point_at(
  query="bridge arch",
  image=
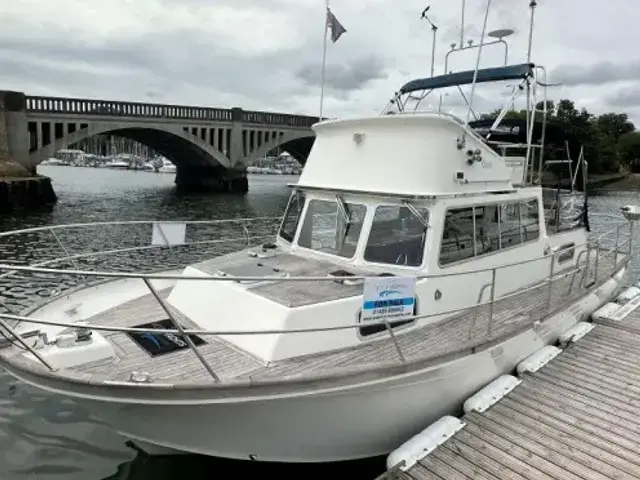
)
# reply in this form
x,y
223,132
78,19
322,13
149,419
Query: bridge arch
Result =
x,y
297,144
179,146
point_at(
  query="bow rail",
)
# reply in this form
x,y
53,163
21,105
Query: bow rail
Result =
x,y
590,265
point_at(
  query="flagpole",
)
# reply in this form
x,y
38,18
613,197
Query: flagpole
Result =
x,y
324,58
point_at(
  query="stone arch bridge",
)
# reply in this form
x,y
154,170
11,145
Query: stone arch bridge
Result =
x,y
211,147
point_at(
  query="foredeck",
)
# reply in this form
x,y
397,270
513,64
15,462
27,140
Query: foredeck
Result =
x,y
576,418
457,335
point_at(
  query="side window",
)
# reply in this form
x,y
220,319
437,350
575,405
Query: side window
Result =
x,y
292,216
457,238
487,229
510,227
530,220
472,231
397,237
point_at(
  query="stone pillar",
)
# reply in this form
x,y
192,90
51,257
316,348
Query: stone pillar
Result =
x,y
236,148
209,178
16,130
20,187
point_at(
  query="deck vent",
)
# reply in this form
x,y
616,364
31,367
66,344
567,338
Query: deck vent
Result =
x,y
342,276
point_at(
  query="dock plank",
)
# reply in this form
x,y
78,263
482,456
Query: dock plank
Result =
x,y
576,418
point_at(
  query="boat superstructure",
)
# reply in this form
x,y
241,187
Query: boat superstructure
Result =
x,y
388,293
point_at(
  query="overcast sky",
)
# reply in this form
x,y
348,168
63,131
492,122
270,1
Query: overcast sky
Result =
x,y
266,54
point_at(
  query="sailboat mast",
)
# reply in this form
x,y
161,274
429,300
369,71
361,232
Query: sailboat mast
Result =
x,y
462,25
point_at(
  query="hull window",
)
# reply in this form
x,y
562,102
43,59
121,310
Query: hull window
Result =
x,y
397,237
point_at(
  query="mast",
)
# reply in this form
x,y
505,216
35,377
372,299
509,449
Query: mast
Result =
x,y
434,30
475,73
324,58
462,25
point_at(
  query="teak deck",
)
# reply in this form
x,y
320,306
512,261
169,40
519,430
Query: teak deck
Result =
x,y
449,337
577,418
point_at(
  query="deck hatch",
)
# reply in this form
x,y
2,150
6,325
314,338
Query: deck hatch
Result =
x,y
162,343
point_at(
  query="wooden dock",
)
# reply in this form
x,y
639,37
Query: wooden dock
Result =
x,y
571,412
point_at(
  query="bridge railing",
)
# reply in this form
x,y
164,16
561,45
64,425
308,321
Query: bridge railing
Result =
x,y
84,107
76,106
280,119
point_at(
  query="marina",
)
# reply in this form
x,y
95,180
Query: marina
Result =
x,y
383,301
466,309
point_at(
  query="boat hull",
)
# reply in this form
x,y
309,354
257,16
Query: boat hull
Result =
x,y
354,420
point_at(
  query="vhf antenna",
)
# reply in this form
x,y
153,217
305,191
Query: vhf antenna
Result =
x,y
434,29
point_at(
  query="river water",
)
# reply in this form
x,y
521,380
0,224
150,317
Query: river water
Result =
x,y
49,438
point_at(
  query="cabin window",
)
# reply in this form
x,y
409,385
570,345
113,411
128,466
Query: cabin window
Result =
x,y
292,216
473,231
327,228
530,220
397,236
487,224
458,236
564,210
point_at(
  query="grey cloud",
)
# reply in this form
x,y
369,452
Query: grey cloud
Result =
x,y
199,66
345,76
627,97
595,74
164,61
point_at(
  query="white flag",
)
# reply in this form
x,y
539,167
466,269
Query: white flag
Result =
x,y
336,27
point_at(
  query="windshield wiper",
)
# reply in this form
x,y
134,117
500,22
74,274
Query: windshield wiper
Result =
x,y
414,211
343,209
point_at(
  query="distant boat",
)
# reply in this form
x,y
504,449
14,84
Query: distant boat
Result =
x,y
117,164
167,167
54,162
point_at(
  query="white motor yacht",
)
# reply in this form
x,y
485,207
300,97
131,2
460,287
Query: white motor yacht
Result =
x,y
396,286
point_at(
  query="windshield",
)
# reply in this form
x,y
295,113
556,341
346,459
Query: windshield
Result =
x,y
292,216
326,228
397,235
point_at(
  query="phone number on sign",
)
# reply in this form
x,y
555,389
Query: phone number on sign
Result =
x,y
387,310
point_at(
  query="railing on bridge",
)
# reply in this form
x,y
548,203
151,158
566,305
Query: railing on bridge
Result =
x,y
77,106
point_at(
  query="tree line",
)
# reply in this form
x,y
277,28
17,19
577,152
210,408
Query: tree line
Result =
x,y
610,140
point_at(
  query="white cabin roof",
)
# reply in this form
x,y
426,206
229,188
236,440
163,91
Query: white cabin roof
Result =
x,y
410,155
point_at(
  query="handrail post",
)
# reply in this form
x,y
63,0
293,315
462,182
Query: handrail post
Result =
x,y
395,341
475,310
20,340
492,300
597,262
246,231
615,256
64,250
178,327
553,258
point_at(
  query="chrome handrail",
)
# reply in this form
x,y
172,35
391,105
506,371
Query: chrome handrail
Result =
x,y
229,278
63,226
186,332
